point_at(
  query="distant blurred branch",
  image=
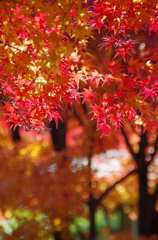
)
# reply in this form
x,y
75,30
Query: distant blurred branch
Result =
x,y
113,186
129,146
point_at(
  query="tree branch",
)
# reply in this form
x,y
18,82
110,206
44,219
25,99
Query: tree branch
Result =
x,y
79,112
16,48
129,146
117,182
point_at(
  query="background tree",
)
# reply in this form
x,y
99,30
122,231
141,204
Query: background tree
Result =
x,y
144,149
144,155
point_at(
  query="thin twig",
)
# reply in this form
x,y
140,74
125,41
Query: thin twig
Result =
x,y
14,47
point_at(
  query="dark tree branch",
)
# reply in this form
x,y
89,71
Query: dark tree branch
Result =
x,y
85,108
78,117
117,182
134,155
81,113
89,156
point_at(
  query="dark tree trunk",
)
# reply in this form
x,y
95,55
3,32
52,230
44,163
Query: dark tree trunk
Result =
x,y
15,134
58,135
58,235
92,211
148,217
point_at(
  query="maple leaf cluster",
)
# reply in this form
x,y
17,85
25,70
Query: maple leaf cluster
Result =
x,y
36,43
46,61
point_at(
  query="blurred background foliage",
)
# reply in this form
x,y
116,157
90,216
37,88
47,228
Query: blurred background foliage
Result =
x,y
50,181
44,191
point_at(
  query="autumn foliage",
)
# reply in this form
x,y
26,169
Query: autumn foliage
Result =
x,y
98,58
47,62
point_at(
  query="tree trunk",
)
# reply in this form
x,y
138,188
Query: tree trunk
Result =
x,y
57,236
15,134
63,235
148,217
92,211
58,135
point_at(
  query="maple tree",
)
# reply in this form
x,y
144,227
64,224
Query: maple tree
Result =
x,y
145,155
57,53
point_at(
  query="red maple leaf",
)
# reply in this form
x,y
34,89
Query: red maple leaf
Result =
x,y
88,95
99,114
148,93
122,52
105,128
116,119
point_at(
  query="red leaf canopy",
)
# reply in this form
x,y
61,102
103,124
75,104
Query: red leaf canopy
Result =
x,y
47,60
